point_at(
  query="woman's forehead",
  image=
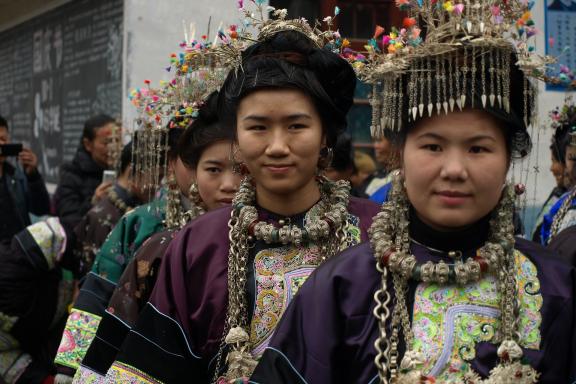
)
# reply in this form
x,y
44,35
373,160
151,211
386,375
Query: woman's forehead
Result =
x,y
459,125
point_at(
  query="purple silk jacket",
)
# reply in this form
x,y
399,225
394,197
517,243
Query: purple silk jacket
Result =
x,y
180,330
327,334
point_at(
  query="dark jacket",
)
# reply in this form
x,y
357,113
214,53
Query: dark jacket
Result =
x,y
78,181
25,194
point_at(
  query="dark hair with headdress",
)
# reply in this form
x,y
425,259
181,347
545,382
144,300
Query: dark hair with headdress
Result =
x,y
289,59
205,130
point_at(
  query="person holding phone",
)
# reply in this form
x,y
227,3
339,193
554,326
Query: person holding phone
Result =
x,y
81,185
22,188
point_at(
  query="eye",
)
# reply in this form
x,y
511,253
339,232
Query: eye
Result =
x,y
476,149
432,147
256,128
572,157
213,170
297,126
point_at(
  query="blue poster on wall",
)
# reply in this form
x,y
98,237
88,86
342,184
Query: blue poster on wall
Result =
x,y
561,39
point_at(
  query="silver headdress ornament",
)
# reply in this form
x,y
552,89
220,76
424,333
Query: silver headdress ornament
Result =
x,y
257,27
468,49
198,71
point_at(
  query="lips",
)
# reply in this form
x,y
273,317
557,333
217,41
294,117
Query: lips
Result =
x,y
225,201
453,194
278,168
453,198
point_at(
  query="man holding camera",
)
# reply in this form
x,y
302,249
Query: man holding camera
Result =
x,y
22,189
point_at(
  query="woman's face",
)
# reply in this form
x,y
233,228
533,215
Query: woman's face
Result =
x,y
279,135
455,168
217,183
557,169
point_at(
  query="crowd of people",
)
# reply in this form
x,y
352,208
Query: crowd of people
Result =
x,y
243,238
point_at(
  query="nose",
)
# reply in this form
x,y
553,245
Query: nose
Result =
x,y
454,166
230,182
278,144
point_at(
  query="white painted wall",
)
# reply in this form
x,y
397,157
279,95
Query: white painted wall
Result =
x,y
154,29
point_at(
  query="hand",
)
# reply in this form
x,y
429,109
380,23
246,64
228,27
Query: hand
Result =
x,y
101,191
28,160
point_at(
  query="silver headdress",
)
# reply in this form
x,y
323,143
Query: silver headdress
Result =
x,y
465,60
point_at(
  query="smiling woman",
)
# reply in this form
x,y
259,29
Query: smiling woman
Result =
x,y
218,300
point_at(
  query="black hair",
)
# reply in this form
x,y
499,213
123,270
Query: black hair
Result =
x,y
560,140
93,123
343,158
205,130
3,122
174,135
125,157
289,59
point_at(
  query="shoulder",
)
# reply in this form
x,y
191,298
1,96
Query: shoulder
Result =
x,y
350,272
555,275
204,236
210,222
362,207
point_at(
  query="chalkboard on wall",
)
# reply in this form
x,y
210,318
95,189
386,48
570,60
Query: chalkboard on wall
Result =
x,y
56,71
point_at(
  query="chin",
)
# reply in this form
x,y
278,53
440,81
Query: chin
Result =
x,y
281,187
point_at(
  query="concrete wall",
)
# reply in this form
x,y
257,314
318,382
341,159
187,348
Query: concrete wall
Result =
x,y
153,31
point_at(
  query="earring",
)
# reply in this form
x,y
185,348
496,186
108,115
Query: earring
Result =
x,y
196,200
326,156
238,167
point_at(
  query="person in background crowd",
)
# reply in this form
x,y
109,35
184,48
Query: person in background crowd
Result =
x,y
385,156
563,213
342,164
22,190
124,196
116,252
558,146
205,148
565,242
81,183
364,166
34,297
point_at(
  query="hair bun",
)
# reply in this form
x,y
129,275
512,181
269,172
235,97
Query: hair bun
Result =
x,y
336,76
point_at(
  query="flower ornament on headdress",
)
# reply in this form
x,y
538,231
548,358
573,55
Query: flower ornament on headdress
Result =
x,y
468,49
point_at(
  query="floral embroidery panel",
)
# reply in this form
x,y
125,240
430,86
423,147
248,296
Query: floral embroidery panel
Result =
x,y
124,373
79,332
279,273
449,321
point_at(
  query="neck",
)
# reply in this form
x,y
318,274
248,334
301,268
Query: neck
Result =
x,y
456,239
123,182
288,204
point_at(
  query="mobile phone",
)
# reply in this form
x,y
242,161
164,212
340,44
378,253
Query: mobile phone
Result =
x,y
10,149
109,176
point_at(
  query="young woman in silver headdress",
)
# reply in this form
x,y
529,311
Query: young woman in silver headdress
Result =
x,y
217,301
443,292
